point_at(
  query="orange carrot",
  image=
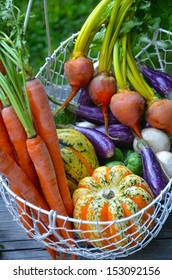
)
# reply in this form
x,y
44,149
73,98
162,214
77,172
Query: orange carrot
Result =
x,y
18,137
45,127
13,89
6,144
24,188
5,141
45,170
24,213
21,181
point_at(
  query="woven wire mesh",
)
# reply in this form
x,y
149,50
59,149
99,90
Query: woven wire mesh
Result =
x,y
132,234
111,239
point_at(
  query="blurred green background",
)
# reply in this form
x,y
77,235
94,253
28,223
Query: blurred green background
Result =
x,y
65,18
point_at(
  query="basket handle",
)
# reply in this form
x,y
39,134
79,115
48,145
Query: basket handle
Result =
x,y
29,6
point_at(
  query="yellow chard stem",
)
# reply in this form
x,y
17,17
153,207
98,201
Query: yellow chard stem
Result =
x,y
88,27
124,57
125,5
138,81
117,67
103,59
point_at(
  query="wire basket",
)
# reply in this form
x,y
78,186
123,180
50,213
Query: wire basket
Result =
x,y
157,53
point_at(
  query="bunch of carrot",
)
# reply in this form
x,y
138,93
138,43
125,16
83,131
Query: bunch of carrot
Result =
x,y
29,148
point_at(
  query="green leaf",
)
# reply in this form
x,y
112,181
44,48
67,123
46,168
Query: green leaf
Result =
x,y
65,117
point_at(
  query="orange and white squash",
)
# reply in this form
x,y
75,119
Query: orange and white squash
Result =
x,y
108,196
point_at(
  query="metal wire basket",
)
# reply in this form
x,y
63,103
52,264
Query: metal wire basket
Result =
x,y
156,52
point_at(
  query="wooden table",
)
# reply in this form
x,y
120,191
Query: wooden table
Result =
x,y
18,246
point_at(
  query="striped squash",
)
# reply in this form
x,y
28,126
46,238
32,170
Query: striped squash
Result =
x,y
111,194
78,154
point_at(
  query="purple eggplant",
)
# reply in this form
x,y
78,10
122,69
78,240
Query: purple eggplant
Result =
x,y
153,173
123,135
102,144
93,114
85,98
160,81
89,113
87,110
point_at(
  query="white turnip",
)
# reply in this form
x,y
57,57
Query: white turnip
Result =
x,y
165,158
158,140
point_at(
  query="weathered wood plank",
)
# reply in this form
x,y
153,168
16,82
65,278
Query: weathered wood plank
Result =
x,y
17,245
158,249
32,254
25,244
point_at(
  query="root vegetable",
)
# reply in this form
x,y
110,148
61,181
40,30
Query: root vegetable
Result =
x,y
165,158
46,129
128,108
158,140
159,115
101,88
79,69
159,111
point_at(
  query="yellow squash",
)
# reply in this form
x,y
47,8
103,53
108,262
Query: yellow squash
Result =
x,y
78,154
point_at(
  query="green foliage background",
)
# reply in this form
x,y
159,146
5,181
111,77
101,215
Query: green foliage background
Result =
x,y
66,17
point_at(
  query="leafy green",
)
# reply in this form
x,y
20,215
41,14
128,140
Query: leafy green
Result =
x,y
113,163
12,25
118,156
133,162
65,117
66,18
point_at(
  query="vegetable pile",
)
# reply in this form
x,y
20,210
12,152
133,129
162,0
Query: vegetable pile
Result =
x,y
101,160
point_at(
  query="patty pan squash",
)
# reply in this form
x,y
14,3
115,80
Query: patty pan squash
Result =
x,y
111,194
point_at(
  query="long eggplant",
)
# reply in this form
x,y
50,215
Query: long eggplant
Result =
x,y
160,81
123,135
87,110
85,98
103,145
153,173
89,113
93,114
